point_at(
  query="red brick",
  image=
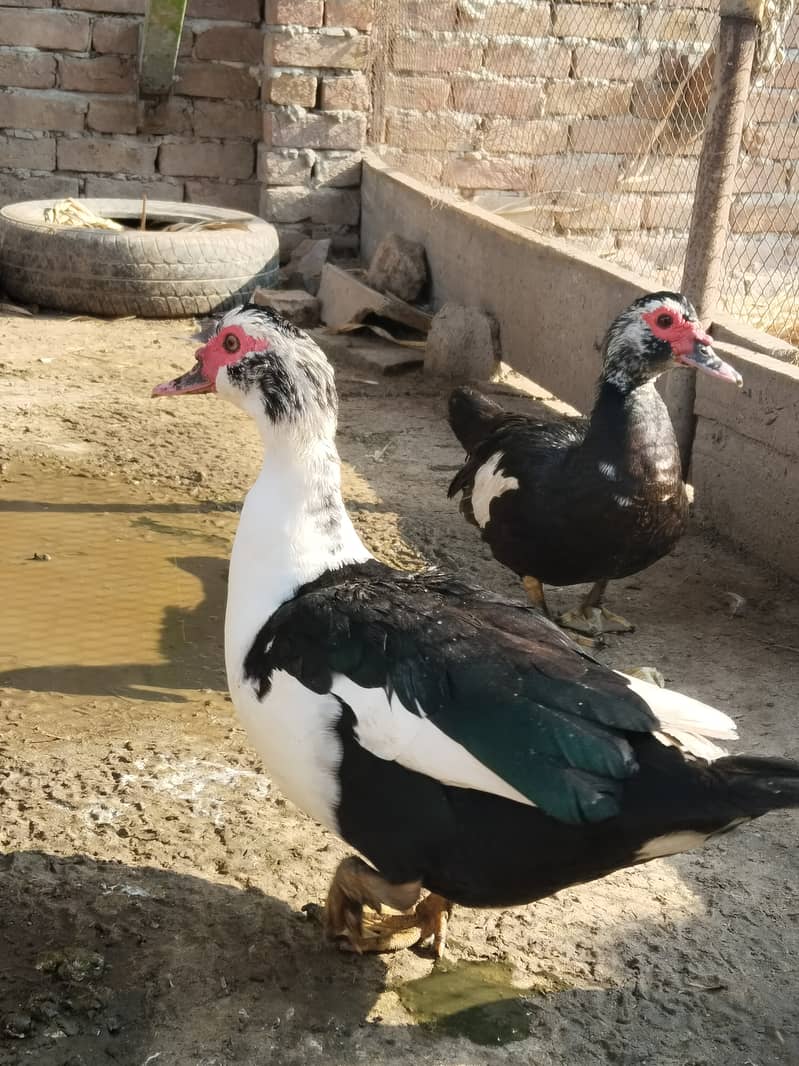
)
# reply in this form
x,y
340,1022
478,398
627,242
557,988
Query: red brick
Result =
x,y
27,153
491,173
441,53
435,131
319,49
223,118
286,166
289,88
772,105
215,80
41,111
625,134
585,215
606,61
230,159
130,189
429,14
229,10
172,116
105,156
113,7
583,99
113,116
599,173
243,196
760,175
349,92
331,129
528,57
777,213
668,211
107,74
355,13
524,19
771,142
679,25
240,44
298,203
414,92
118,36
294,12
495,96
524,137
51,187
58,30
27,70
339,170
595,22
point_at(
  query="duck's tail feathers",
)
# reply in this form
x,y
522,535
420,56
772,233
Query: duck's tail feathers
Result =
x,y
759,784
472,416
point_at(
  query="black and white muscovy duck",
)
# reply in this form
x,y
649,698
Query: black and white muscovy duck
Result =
x,y
460,741
587,499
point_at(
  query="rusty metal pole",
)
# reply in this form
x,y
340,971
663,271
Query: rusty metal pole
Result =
x,y
701,281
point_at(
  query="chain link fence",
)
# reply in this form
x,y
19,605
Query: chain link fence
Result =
x,y
586,120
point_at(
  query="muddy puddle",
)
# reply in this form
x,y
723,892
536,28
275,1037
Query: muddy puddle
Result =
x,y
109,590
479,1000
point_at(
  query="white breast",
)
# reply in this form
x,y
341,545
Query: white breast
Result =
x,y
489,483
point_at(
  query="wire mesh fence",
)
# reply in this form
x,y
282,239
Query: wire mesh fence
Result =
x,y
586,120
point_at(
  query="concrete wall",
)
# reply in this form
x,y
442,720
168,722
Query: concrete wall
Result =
x,y
554,301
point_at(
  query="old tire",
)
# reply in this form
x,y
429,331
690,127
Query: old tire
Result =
x,y
151,273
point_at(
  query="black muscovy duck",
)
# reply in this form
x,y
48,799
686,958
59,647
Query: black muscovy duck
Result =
x,y
460,741
587,499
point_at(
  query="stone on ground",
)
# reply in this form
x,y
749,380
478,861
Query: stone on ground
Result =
x,y
463,343
304,268
296,305
398,266
345,299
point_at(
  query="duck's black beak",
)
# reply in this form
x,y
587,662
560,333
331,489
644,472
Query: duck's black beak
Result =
x,y
702,357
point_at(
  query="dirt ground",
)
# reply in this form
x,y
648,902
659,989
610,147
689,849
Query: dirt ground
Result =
x,y
151,879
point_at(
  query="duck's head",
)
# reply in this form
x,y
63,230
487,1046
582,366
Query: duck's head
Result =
x,y
656,333
266,366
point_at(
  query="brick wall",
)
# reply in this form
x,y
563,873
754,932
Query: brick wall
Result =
x,y
565,107
268,112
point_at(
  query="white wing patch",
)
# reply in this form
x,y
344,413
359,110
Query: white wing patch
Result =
x,y
685,723
670,844
488,485
294,731
390,731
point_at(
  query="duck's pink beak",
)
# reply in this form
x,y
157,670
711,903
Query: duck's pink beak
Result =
x,y
192,382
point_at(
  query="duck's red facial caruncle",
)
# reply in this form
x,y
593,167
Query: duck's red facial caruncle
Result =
x,y
690,345
228,346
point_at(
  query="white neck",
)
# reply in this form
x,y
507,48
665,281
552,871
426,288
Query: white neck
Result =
x,y
293,528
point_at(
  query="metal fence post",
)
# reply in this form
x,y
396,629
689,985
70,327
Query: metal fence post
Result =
x,y
701,281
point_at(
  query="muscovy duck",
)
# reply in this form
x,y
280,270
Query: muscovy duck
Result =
x,y
587,499
458,740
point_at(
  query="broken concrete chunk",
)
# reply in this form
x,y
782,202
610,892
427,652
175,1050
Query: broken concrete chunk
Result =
x,y
382,357
463,343
304,268
345,299
399,267
296,305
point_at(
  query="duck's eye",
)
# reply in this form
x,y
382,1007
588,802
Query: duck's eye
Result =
x,y
665,321
231,343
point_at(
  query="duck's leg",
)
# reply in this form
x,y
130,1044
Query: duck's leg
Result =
x,y
355,886
535,590
592,618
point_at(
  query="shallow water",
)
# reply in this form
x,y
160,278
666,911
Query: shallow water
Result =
x,y
478,1000
108,589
